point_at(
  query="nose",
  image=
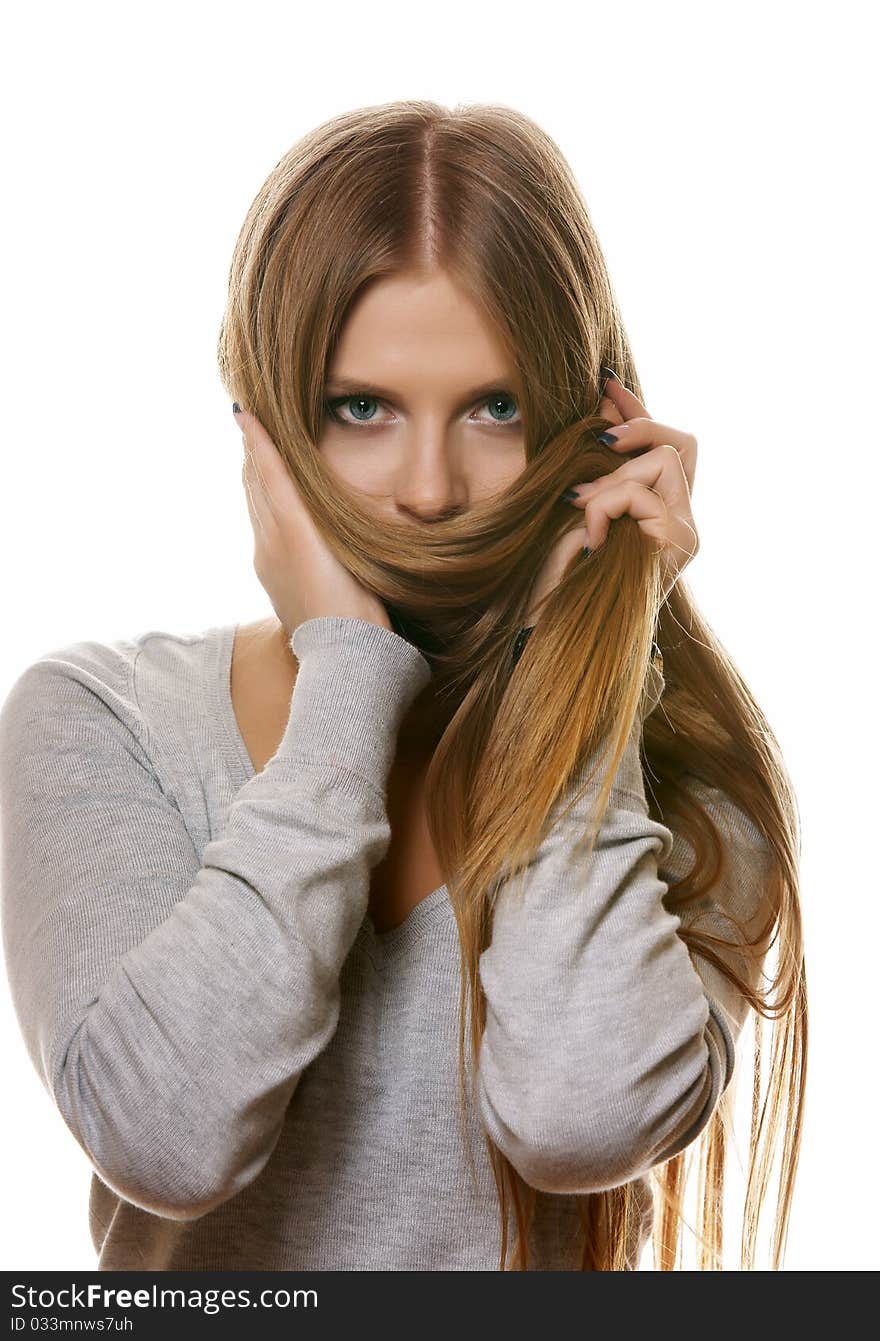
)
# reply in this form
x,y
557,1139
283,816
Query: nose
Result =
x,y
426,510
428,487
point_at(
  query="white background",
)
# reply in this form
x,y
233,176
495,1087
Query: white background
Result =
x,y
727,157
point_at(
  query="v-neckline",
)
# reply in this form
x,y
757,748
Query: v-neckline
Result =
x,y
433,907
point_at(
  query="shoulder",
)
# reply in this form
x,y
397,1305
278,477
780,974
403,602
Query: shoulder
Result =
x,y
105,683
98,675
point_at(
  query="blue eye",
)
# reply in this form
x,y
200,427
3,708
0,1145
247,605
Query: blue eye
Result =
x,y
333,405
501,396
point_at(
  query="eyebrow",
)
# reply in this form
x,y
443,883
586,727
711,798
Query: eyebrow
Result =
x,y
350,385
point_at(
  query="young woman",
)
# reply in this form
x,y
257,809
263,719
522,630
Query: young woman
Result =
x,y
261,882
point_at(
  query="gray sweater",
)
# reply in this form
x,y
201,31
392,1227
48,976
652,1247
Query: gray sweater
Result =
x,y
260,1079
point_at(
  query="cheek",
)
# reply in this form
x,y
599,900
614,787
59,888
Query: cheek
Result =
x,y
494,477
513,467
353,468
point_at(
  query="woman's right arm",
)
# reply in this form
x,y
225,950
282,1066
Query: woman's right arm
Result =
x,y
171,1006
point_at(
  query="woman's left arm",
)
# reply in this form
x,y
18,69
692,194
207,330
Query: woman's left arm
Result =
x,y
606,1048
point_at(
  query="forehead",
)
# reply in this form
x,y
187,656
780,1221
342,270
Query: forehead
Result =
x,y
424,326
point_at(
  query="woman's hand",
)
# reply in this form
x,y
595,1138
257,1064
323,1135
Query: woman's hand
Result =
x,y
302,576
654,487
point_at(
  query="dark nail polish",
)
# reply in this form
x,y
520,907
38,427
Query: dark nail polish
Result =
x,y
236,408
608,372
570,496
608,438
587,552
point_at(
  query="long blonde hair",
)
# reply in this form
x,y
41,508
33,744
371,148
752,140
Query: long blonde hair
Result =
x,y
484,193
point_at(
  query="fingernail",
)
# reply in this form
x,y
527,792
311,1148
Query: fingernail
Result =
x,y
608,372
609,439
570,496
236,408
586,552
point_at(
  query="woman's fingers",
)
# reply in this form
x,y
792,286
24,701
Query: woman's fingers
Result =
x,y
652,488
279,496
608,410
643,433
635,497
249,499
262,465
254,490
661,467
675,534
626,401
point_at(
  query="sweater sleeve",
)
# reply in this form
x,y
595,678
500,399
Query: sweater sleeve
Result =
x,y
170,1005
606,1046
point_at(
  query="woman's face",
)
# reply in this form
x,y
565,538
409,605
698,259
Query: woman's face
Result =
x,y
428,404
